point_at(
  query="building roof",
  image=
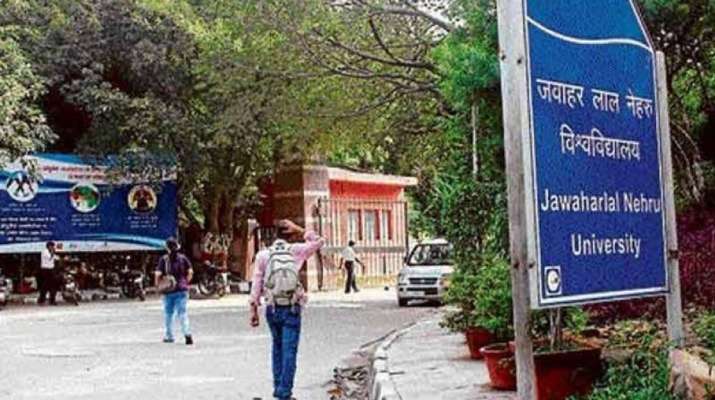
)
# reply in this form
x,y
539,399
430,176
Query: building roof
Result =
x,y
344,175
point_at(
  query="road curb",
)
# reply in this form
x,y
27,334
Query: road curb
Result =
x,y
380,383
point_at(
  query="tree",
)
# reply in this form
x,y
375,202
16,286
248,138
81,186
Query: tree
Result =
x,y
683,30
23,127
380,53
212,86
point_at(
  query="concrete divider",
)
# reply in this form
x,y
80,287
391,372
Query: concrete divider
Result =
x,y
381,385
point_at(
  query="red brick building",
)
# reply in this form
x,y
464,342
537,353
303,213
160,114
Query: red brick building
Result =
x,y
343,205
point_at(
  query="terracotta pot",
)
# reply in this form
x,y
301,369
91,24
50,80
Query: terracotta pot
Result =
x,y
501,366
476,339
560,375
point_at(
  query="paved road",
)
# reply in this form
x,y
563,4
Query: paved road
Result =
x,y
112,350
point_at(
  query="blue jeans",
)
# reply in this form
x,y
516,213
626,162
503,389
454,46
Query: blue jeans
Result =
x,y
175,303
285,329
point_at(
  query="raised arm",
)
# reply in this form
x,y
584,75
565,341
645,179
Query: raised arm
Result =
x,y
303,251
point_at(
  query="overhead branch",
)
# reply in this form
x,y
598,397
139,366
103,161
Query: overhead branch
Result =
x,y
378,38
412,11
393,62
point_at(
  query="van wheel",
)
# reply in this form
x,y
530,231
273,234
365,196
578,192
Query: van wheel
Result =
x,y
402,302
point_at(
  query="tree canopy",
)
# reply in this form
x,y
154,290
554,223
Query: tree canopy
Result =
x,y
23,126
230,90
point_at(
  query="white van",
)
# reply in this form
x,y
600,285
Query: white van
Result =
x,y
426,273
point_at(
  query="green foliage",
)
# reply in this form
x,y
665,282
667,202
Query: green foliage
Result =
x,y
23,125
577,320
546,325
635,334
483,295
682,29
704,328
643,376
119,76
214,85
468,208
468,57
456,321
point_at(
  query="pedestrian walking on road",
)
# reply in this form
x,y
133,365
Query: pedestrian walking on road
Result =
x,y
172,277
276,277
349,258
47,276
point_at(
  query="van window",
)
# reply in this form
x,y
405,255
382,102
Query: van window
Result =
x,y
431,254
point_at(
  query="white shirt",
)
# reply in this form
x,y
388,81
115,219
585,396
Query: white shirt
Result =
x,y
349,254
47,260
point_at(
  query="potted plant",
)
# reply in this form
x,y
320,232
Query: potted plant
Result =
x,y
501,366
478,337
475,336
564,364
493,311
483,297
462,291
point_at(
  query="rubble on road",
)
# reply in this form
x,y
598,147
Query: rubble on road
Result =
x,y
350,377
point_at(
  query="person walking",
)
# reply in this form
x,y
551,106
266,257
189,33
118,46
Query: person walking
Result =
x,y
349,258
276,276
172,277
47,276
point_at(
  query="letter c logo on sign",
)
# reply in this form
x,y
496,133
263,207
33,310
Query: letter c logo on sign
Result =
x,y
553,280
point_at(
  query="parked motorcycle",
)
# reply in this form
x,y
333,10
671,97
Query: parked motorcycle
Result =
x,y
212,280
131,282
111,280
70,289
5,289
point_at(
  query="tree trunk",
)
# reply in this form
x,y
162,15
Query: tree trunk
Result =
x,y
213,210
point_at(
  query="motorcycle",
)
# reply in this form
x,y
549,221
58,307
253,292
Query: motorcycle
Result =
x,y
5,289
110,280
70,289
131,282
212,280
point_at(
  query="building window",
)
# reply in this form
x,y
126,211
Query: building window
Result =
x,y
371,228
386,224
354,226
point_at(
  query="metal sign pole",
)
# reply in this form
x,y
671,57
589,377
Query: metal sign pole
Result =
x,y
514,86
673,299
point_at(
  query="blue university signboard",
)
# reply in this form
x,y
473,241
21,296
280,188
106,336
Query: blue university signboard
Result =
x,y
595,183
72,203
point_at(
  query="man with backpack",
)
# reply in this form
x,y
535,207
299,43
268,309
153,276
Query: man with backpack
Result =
x,y
276,277
172,278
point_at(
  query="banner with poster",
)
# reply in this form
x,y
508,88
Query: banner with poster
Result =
x,y
70,201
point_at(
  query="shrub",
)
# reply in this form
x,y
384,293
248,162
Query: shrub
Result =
x,y
645,374
574,319
704,328
483,296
